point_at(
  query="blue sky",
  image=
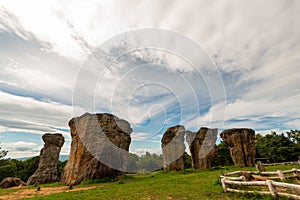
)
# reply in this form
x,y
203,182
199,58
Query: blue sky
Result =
x,y
46,46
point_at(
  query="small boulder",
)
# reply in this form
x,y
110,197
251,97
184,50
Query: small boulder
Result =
x,y
11,182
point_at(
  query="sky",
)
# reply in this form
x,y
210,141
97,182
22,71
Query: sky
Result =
x,y
60,59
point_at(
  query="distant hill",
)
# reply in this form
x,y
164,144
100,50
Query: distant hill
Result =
x,y
61,158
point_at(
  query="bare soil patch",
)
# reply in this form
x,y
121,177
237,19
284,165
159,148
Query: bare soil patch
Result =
x,y
33,192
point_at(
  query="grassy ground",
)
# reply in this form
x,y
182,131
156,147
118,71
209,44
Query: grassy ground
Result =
x,y
160,185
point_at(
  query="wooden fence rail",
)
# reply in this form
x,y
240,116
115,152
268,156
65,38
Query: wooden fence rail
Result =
x,y
282,163
276,189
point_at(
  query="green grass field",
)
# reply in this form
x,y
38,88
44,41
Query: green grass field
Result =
x,y
159,185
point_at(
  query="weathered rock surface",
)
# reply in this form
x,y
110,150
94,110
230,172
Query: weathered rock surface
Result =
x,y
11,182
47,169
241,145
202,147
173,148
260,166
99,148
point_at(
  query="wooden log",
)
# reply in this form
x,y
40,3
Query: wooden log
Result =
x,y
269,173
248,191
296,173
240,178
280,174
260,178
286,185
280,194
232,173
223,181
271,188
289,171
246,183
290,196
240,181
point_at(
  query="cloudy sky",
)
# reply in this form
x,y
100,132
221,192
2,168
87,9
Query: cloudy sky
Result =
x,y
60,59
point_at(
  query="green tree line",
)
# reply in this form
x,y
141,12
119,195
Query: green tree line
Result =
x,y
22,169
275,147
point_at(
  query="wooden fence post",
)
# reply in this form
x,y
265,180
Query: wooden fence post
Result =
x,y
271,188
224,184
281,175
296,173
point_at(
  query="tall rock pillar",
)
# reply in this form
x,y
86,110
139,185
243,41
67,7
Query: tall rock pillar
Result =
x,y
99,148
47,169
241,145
173,148
202,147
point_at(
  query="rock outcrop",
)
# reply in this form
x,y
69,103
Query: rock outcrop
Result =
x,y
241,145
99,148
47,169
11,182
260,167
173,148
202,147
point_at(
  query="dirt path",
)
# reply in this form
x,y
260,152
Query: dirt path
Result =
x,y
28,193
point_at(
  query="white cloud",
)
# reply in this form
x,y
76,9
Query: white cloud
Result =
x,y
145,137
255,45
28,114
21,149
144,151
264,113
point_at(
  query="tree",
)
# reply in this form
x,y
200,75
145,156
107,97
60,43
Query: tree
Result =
x,y
132,163
29,167
294,136
223,156
150,162
277,147
3,153
187,161
61,166
17,168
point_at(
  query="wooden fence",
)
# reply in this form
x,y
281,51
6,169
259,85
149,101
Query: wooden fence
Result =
x,y
282,163
269,187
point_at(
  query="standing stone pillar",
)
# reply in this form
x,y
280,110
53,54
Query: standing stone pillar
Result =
x,y
47,169
241,145
99,148
173,148
202,147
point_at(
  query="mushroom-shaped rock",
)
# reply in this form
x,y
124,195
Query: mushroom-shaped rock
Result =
x,y
202,147
241,145
47,169
99,148
173,148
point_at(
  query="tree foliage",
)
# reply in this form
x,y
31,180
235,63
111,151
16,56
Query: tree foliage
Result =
x,y
17,168
274,147
23,169
278,147
144,163
3,153
294,136
187,161
222,157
